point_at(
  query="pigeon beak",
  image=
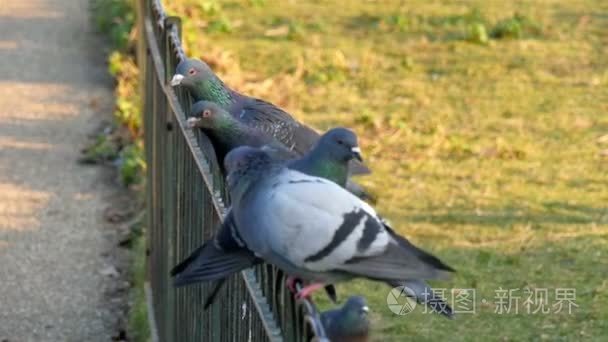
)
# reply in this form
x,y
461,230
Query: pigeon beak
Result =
x,y
176,80
357,153
365,309
192,122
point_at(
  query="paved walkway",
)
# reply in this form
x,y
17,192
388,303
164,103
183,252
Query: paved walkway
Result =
x,y
53,92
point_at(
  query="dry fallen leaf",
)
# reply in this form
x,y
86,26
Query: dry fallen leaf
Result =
x,y
603,139
279,31
583,123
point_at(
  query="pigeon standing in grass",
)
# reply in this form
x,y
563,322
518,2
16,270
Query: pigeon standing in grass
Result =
x,y
313,229
196,76
350,323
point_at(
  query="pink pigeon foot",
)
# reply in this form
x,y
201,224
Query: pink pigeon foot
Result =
x,y
308,290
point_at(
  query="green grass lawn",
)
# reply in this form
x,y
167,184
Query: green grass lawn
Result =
x,y
483,124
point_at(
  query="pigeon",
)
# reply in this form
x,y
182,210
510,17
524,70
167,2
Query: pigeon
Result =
x,y
420,290
196,76
332,154
329,152
350,323
313,229
200,267
329,157
226,132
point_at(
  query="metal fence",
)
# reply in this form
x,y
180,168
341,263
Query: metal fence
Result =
x,y
185,204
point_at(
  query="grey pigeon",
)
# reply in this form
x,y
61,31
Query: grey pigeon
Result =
x,y
378,254
227,133
313,229
328,160
350,323
329,157
196,76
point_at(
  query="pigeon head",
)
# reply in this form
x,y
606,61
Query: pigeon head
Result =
x,y
355,314
340,144
241,158
191,71
196,76
356,305
244,162
205,114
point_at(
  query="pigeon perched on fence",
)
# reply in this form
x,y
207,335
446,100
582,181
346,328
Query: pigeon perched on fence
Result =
x,y
349,323
313,229
329,157
227,132
203,84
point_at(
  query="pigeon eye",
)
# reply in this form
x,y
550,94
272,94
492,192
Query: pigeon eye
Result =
x,y
191,71
340,142
206,113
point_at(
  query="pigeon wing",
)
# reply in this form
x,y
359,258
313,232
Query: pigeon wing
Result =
x,y
318,226
212,263
218,259
274,121
313,223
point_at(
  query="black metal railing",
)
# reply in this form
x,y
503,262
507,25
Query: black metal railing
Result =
x,y
185,203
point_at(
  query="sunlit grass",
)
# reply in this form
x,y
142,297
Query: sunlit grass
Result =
x,y
487,151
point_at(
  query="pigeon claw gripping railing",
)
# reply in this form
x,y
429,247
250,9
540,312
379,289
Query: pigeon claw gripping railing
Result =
x,y
185,199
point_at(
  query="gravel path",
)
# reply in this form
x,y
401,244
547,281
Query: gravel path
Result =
x,y
53,239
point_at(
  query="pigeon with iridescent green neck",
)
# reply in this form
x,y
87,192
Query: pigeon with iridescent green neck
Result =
x,y
196,76
329,158
227,133
309,227
194,268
